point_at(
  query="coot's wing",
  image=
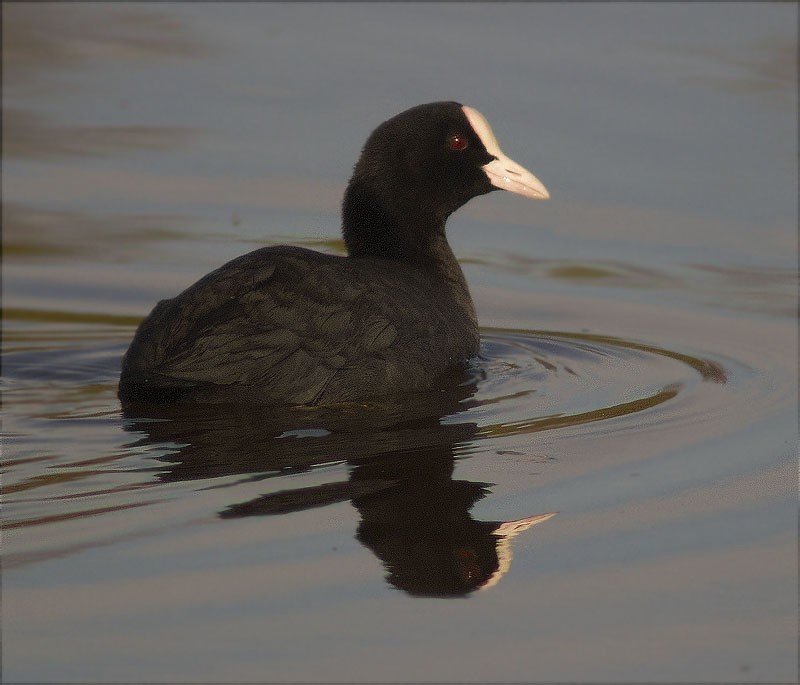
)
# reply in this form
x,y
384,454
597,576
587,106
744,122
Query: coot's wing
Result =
x,y
279,319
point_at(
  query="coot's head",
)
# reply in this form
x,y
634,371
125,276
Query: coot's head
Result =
x,y
423,164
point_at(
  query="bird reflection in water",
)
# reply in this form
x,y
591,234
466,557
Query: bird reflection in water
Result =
x,y
401,455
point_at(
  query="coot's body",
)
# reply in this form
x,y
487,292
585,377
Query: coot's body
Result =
x,y
288,325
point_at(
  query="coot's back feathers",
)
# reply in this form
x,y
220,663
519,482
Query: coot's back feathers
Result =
x,y
288,325
303,328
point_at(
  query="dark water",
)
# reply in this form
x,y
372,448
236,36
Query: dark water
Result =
x,y
609,493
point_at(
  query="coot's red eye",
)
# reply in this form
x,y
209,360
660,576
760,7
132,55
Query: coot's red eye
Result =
x,y
457,142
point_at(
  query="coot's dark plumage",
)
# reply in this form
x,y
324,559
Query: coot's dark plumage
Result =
x,y
288,325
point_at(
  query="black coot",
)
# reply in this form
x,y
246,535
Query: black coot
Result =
x,y
290,326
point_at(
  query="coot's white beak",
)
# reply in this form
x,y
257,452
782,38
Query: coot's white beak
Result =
x,y
503,172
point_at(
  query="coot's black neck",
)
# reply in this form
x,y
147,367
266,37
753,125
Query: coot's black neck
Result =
x,y
396,229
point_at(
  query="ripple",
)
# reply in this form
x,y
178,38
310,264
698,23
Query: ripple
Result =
x,y
525,381
543,380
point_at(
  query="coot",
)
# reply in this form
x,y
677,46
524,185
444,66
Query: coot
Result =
x,y
290,326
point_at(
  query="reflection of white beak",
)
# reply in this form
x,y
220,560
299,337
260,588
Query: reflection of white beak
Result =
x,y
503,172
505,532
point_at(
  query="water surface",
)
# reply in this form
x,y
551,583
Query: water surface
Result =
x,y
608,493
